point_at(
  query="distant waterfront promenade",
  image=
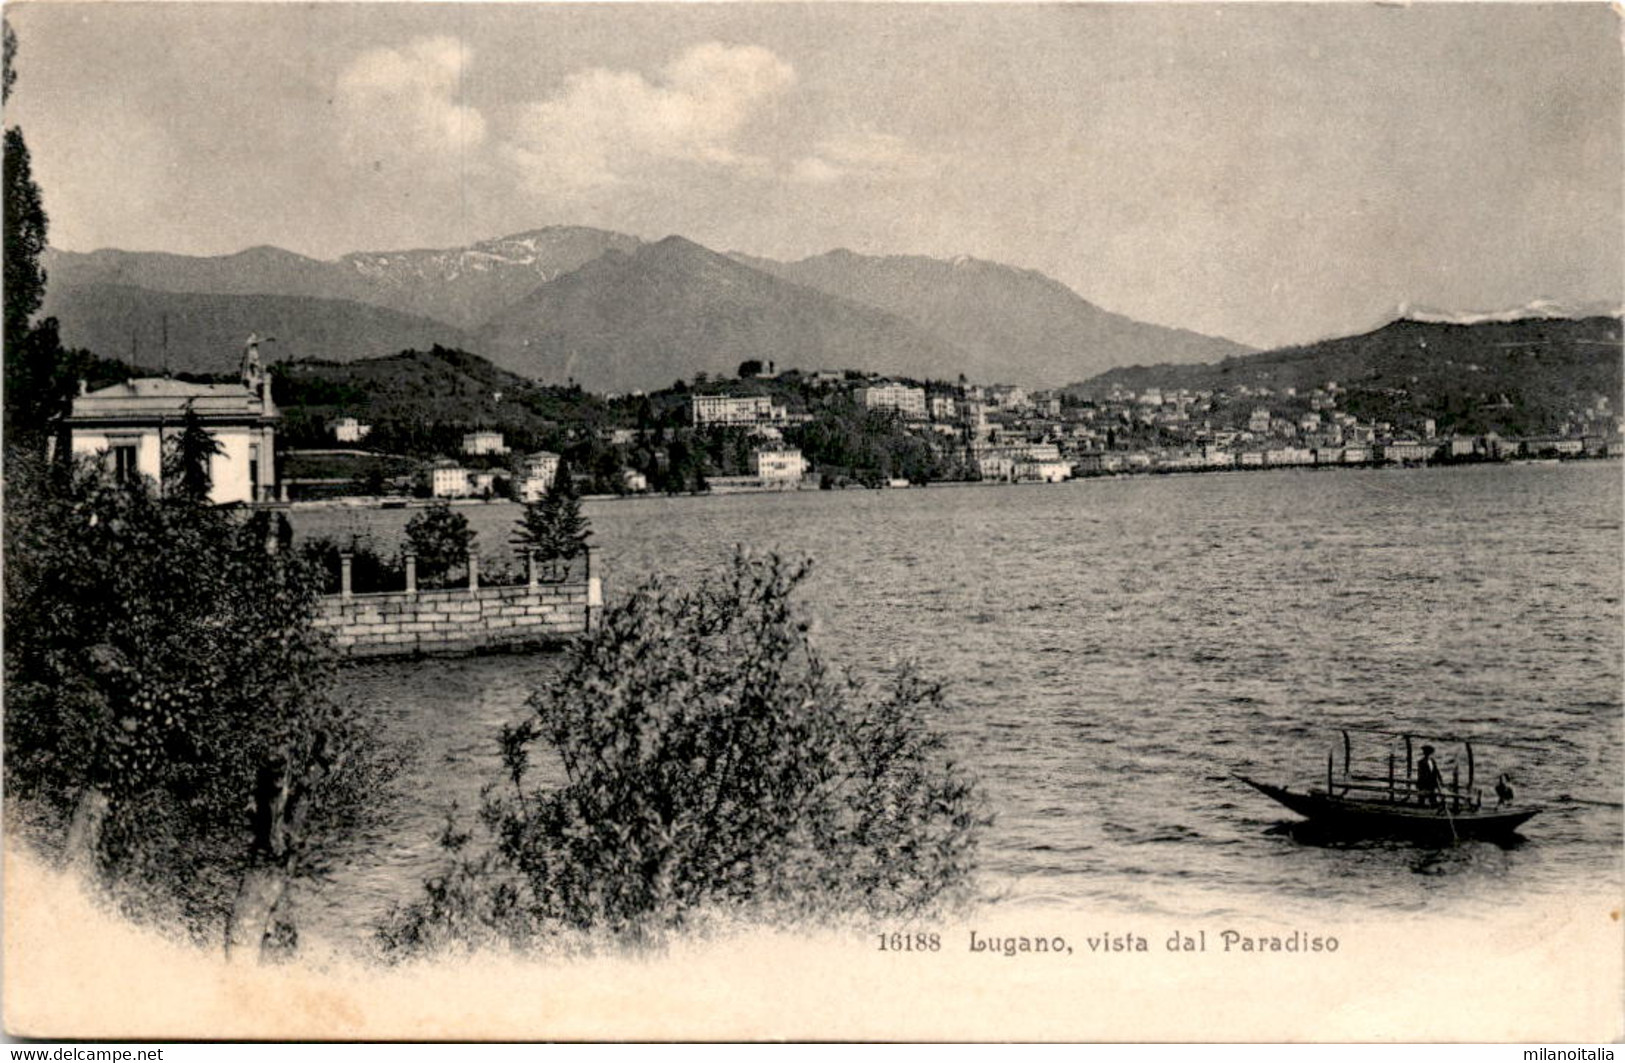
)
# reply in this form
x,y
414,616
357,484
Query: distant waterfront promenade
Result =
x,y
1130,464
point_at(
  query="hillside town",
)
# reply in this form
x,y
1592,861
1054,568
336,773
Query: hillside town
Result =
x,y
1004,434
771,431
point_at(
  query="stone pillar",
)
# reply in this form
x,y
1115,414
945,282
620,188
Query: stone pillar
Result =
x,y
595,595
345,562
530,568
411,573
595,603
473,573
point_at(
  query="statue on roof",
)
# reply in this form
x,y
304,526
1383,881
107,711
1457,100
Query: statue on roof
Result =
x,y
253,372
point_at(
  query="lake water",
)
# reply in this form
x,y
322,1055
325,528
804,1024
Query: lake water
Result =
x,y
1113,649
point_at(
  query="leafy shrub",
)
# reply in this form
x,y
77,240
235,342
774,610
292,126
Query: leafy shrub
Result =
x,y
711,765
163,677
502,572
441,539
370,571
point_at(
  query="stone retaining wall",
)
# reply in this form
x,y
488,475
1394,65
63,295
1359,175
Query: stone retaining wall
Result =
x,y
431,622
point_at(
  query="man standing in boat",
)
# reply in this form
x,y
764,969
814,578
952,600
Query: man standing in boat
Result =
x,y
1428,778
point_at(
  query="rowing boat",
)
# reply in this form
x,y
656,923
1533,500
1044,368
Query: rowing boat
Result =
x,y
1398,806
1394,819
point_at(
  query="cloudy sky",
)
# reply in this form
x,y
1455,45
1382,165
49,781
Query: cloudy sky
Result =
x,y
1271,173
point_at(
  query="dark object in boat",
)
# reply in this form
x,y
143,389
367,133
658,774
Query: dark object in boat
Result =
x,y
1504,793
1398,807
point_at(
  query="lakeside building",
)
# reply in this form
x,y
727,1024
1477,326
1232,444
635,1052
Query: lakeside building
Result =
x,y
777,469
350,430
780,465
483,442
728,410
1289,456
1400,450
1536,448
944,408
995,465
1020,461
910,402
133,424
1049,472
447,479
537,475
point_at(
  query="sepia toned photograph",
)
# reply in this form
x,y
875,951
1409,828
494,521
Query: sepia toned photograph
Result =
x,y
814,521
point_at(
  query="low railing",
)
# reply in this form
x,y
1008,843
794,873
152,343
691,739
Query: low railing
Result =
x,y
537,573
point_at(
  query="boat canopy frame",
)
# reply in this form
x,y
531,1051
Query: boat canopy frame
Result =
x,y
1462,797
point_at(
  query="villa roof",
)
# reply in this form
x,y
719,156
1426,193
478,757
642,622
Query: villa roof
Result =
x,y
160,399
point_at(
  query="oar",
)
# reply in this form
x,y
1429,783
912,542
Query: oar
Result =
x,y
1571,799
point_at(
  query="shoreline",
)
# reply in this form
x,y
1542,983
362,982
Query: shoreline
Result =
x,y
402,502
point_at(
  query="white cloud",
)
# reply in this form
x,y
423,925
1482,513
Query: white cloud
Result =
x,y
863,154
606,124
399,103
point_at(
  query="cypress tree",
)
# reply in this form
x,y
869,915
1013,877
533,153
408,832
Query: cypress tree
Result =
x,y
39,374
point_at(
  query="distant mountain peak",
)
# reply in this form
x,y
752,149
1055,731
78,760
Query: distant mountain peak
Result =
x,y
678,250
267,251
679,243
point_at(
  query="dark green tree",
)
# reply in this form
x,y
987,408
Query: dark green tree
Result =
x,y
25,238
372,480
186,472
553,527
440,538
40,376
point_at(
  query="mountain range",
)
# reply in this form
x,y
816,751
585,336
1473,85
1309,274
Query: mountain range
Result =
x,y
610,311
